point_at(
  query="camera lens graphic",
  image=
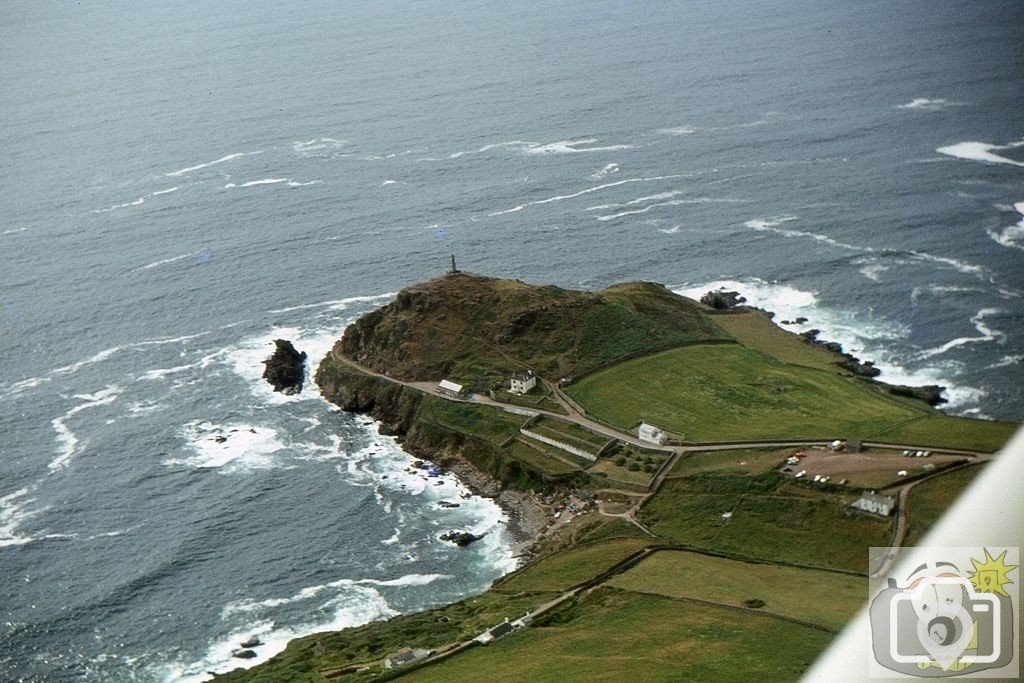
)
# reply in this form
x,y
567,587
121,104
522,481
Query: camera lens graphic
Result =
x,y
942,630
946,636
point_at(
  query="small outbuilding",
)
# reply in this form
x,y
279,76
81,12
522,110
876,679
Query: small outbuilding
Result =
x,y
449,388
875,503
406,656
496,632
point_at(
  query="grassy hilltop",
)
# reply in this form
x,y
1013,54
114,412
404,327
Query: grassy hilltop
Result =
x,y
464,325
694,561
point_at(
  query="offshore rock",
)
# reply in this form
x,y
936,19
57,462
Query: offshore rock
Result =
x,y
286,368
460,538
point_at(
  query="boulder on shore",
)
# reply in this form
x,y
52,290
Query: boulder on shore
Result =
x,y
286,369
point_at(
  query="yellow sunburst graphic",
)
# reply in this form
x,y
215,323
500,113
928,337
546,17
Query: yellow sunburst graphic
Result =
x,y
990,576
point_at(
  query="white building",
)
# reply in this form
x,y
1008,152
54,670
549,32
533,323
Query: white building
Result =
x,y
651,434
876,503
522,382
450,388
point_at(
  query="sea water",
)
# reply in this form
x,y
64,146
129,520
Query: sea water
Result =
x,y
183,183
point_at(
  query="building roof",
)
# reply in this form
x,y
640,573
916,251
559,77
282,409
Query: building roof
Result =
x,y
522,375
501,629
878,498
450,386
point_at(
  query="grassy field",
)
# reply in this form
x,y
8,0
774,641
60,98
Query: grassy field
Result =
x,y
545,463
772,519
824,598
745,461
619,473
950,432
614,635
755,331
728,392
564,570
486,423
577,435
930,499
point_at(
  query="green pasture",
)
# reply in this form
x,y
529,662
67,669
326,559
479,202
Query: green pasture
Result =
x,y
772,519
568,568
614,635
930,499
824,598
722,392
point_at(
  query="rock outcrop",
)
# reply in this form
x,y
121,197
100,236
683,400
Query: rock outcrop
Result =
x,y
286,369
930,394
722,300
460,538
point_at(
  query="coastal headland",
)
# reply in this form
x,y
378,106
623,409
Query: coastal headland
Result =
x,y
688,481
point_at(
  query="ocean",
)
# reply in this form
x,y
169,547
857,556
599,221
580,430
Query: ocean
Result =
x,y
184,182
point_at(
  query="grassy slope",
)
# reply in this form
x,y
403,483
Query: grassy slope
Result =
x,y
939,430
824,598
772,519
564,570
754,330
725,392
722,390
929,499
467,327
614,635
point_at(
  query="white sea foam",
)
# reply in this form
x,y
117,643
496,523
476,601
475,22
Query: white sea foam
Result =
x,y
1007,361
272,181
167,191
207,164
772,225
20,386
678,130
539,149
981,151
67,442
318,146
608,170
164,262
690,130
13,231
585,191
125,205
926,104
671,231
357,605
388,182
235,447
674,202
310,592
14,512
865,337
978,320
339,304
872,268
1013,236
